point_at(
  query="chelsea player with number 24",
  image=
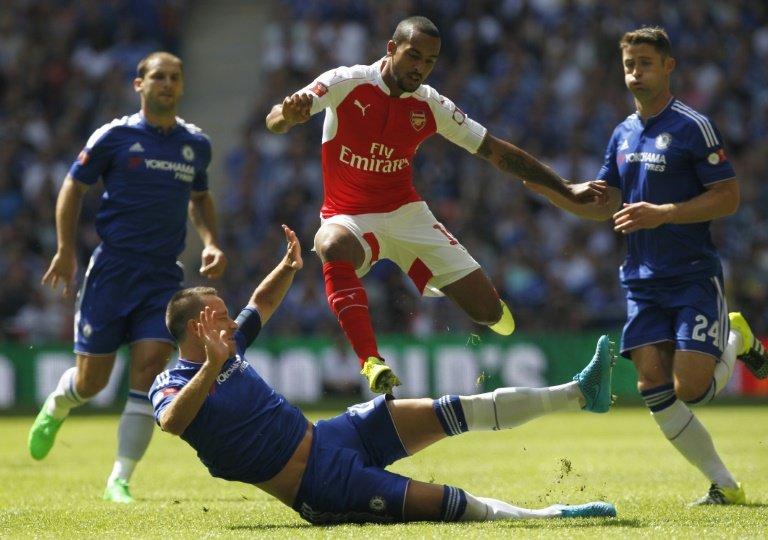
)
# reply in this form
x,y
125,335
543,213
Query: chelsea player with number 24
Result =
x,y
667,178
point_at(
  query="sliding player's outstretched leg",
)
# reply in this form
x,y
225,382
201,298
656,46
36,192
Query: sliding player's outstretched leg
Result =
x,y
595,379
505,408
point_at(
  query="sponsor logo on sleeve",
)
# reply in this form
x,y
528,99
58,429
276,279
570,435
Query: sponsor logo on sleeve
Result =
x,y
459,116
162,394
716,158
83,156
319,89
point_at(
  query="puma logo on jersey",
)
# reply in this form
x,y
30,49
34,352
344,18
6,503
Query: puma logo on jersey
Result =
x,y
362,108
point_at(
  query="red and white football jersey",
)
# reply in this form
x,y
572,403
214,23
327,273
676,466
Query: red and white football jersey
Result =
x,y
370,137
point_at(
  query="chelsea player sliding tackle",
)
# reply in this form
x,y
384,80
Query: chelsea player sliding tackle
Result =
x,y
334,471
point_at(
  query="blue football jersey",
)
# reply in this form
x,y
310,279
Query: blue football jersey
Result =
x,y
670,158
148,176
245,430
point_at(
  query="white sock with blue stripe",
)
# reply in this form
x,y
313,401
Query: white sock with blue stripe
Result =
x,y
65,397
504,408
137,424
689,436
487,509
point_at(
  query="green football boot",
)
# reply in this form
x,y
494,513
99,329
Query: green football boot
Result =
x,y
42,435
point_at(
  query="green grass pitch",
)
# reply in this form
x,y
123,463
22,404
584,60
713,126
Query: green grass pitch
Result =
x,y
567,457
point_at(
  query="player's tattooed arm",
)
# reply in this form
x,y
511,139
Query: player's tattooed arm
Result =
x,y
514,160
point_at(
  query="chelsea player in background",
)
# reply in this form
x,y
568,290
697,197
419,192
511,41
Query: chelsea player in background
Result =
x,y
666,165
154,169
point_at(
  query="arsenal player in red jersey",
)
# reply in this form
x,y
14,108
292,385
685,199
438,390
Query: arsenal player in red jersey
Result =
x,y
376,117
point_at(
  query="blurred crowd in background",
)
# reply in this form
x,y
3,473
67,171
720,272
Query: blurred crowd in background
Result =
x,y
65,69
543,74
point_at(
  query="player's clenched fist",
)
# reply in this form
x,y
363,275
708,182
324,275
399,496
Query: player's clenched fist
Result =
x,y
296,108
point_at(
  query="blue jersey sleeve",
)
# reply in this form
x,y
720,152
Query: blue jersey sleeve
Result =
x,y
96,158
249,326
200,182
709,159
165,388
610,170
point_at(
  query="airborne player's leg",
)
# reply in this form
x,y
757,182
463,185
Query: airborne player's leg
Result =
x,y
339,244
439,265
421,247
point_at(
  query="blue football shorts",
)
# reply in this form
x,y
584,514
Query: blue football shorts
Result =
x,y
345,480
123,300
693,315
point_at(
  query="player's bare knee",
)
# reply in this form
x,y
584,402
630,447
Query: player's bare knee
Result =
x,y
329,248
339,247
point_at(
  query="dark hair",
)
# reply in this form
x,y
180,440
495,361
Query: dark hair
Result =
x,y
183,306
143,65
406,28
655,36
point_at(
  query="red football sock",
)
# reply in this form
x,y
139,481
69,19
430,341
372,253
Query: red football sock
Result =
x,y
349,302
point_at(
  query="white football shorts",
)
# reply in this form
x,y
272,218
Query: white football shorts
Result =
x,y
414,240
